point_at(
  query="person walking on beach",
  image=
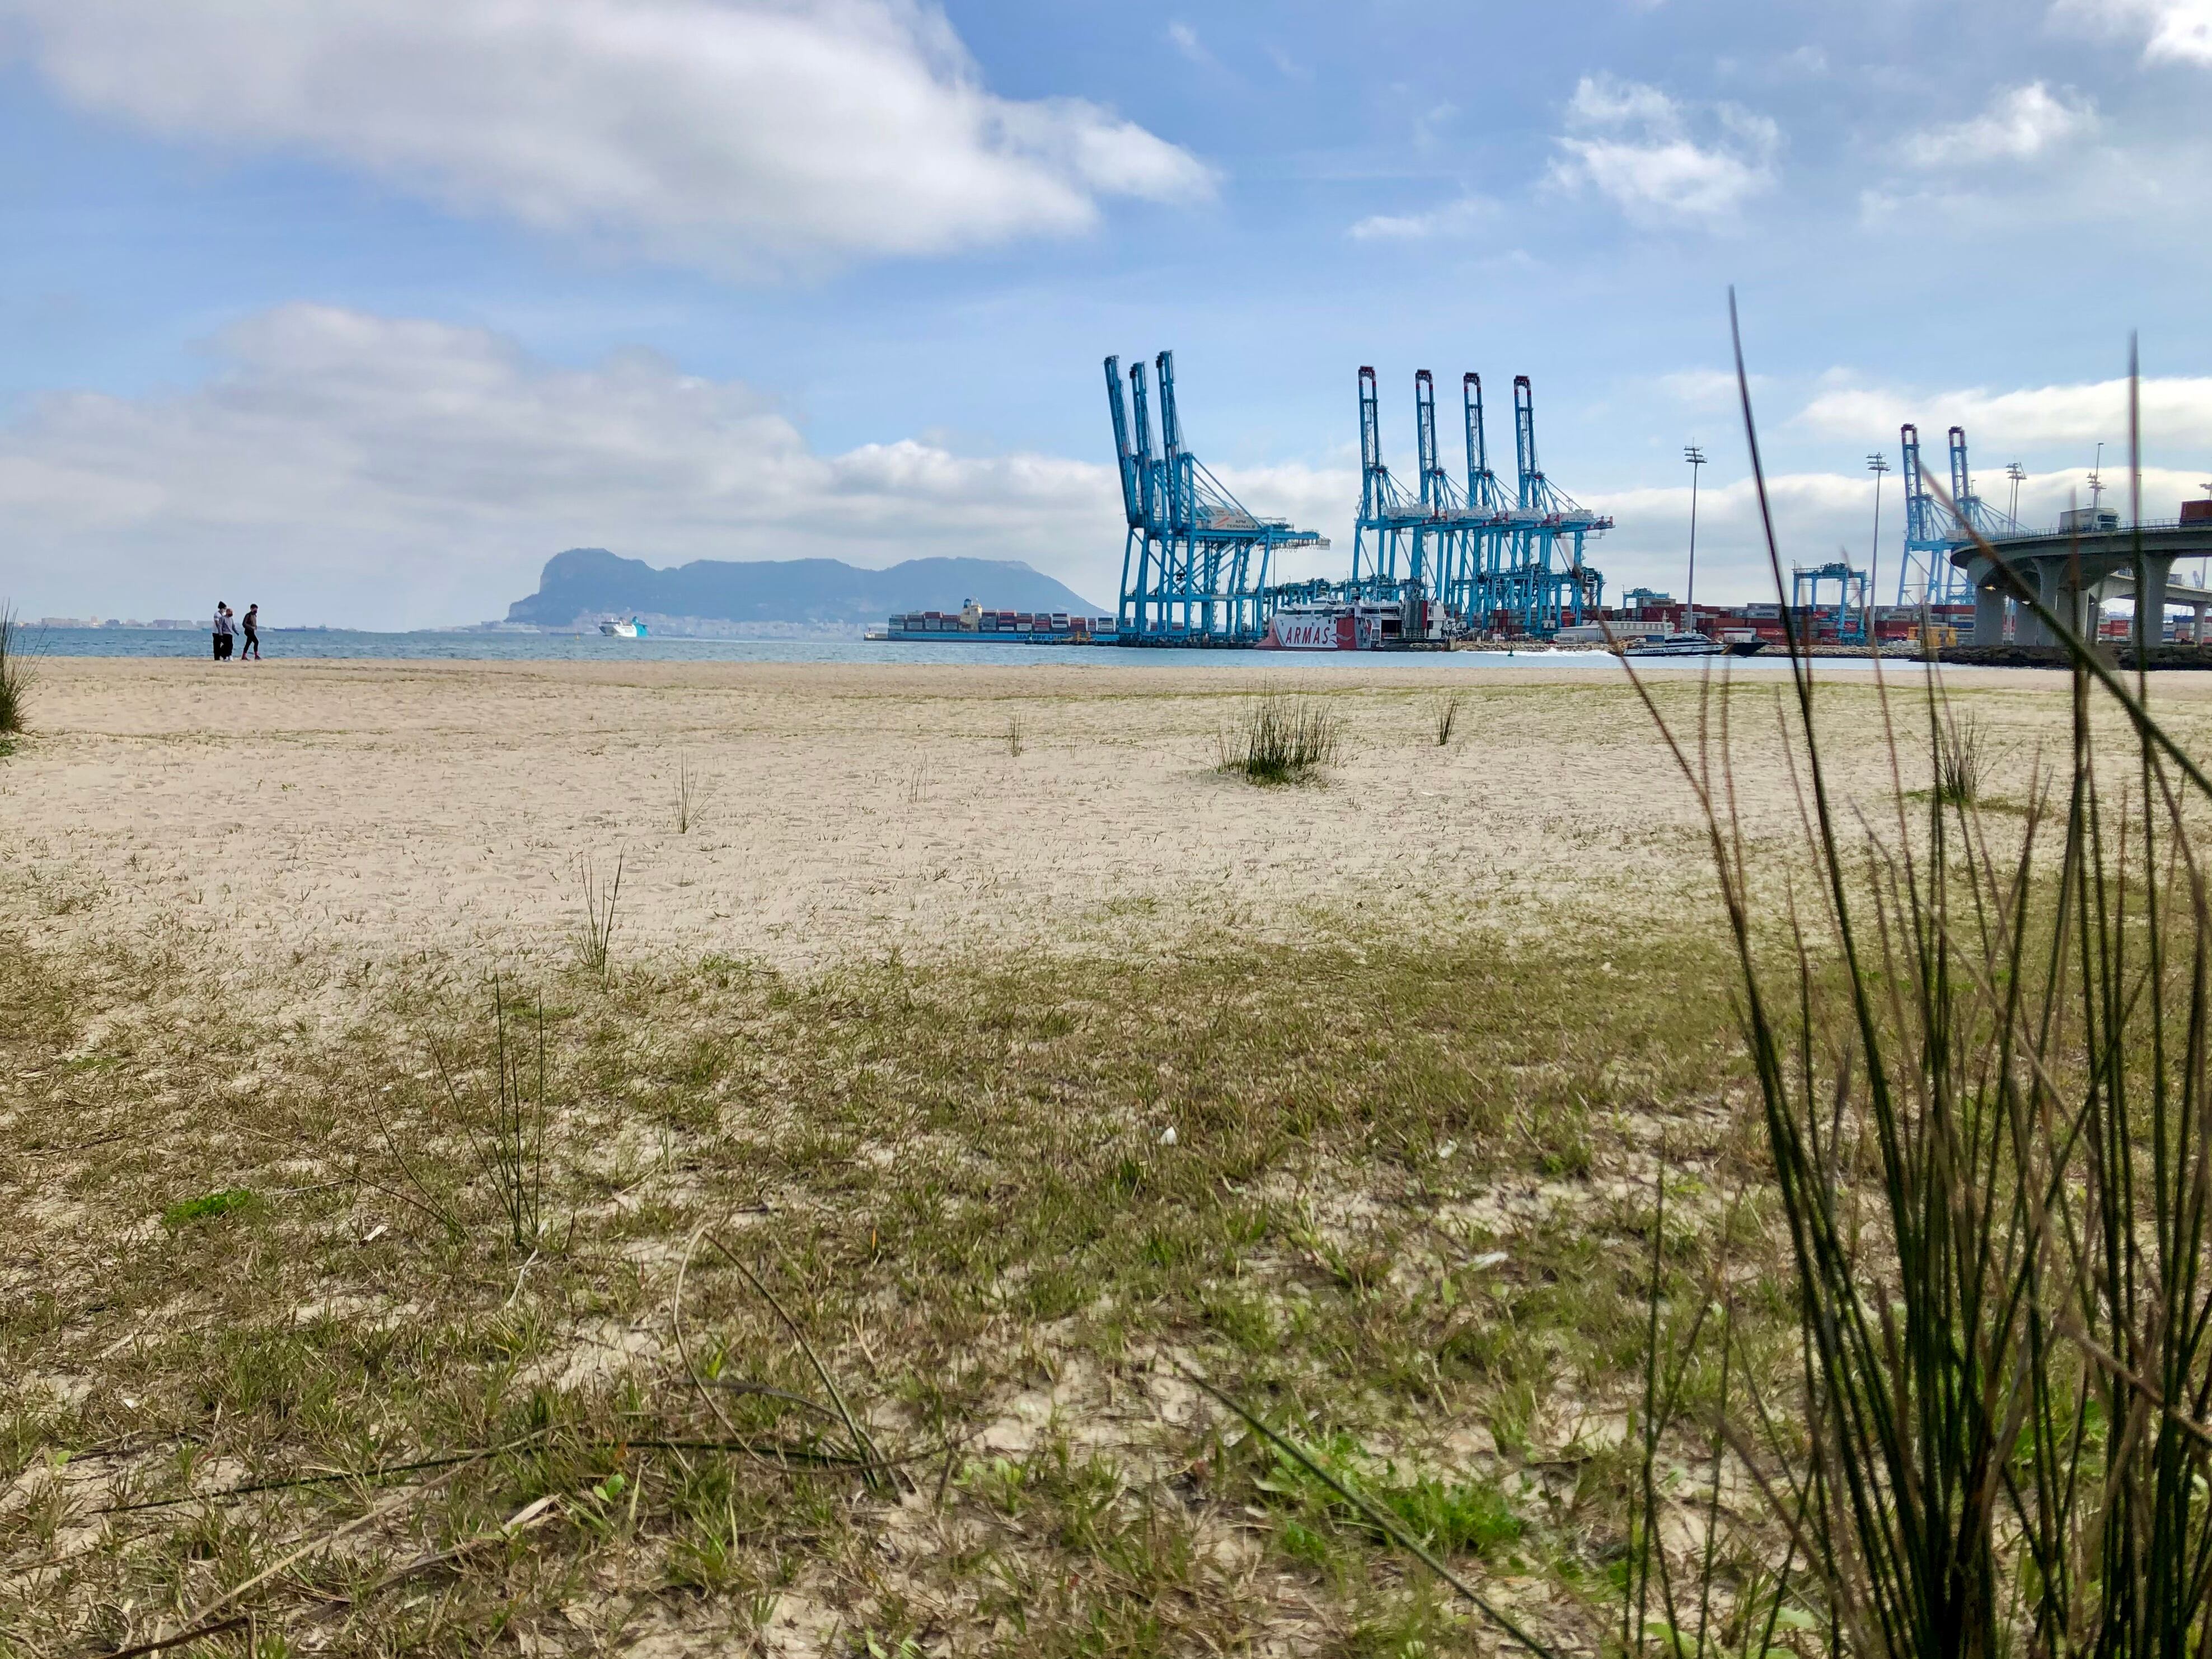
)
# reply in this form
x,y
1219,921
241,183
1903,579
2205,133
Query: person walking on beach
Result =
x,y
222,631
253,621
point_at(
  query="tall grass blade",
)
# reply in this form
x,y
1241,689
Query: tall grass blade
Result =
x,y
1982,1079
595,939
16,649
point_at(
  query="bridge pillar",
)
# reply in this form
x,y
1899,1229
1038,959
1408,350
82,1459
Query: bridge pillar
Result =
x,y
2027,628
1989,615
2150,603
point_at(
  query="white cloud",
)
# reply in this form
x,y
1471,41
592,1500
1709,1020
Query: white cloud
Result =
x,y
1704,388
1457,218
2177,412
2019,125
354,468
740,133
2172,31
1633,144
1184,38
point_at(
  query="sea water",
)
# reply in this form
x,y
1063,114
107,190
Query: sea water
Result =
x,y
439,646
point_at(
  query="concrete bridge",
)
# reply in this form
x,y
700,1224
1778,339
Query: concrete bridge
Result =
x,y
2075,572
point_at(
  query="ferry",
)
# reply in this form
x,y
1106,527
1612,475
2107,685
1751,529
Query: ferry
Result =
x,y
1333,625
973,625
1695,645
632,629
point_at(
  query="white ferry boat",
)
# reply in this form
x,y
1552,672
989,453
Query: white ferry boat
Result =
x,y
1675,645
632,629
1334,625
1740,642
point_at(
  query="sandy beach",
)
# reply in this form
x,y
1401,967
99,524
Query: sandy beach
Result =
x,y
365,810
1033,1117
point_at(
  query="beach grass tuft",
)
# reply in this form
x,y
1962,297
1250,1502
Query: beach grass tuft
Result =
x,y
15,650
600,896
1445,715
1983,1086
506,1133
1962,756
1282,739
691,790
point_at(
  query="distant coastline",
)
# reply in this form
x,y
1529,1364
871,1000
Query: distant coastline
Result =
x,y
710,598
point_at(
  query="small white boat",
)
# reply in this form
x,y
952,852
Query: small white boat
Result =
x,y
632,629
1676,645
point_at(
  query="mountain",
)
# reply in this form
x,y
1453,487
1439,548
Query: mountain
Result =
x,y
592,582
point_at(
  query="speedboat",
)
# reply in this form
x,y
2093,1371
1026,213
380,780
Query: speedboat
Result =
x,y
1676,645
632,629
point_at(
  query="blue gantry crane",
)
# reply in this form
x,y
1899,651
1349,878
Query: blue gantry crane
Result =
x,y
1534,571
1393,541
1196,566
1847,618
1925,576
1511,566
1470,587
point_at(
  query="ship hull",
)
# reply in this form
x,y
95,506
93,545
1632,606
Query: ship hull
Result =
x,y
1341,631
949,636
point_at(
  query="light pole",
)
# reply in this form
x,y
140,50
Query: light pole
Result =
x,y
2016,472
2206,487
1696,459
1877,463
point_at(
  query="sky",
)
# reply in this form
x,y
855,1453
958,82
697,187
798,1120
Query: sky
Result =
x,y
364,309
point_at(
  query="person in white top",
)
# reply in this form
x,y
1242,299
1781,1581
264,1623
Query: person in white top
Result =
x,y
222,631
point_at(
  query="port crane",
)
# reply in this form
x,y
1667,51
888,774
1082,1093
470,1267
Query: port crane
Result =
x,y
1515,565
1197,567
1398,539
1925,576
1545,584
1197,564
1848,616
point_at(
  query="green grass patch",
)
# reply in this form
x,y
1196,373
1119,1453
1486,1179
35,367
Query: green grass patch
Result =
x,y
209,1206
953,1180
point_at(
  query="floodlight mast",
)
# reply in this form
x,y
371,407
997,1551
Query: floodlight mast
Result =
x,y
1694,456
1877,463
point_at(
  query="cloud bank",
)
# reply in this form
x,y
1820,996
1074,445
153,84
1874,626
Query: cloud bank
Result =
x,y
2177,412
2019,125
744,135
2172,31
1633,145
383,472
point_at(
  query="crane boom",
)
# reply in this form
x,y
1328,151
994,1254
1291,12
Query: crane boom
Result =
x,y
1436,491
1132,502
1531,479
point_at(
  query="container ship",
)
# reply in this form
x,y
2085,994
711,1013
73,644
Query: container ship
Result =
x,y
972,624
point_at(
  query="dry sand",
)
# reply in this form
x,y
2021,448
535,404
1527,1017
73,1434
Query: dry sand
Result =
x,y
367,811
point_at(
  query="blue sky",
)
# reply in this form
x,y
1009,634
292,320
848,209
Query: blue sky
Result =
x,y
364,310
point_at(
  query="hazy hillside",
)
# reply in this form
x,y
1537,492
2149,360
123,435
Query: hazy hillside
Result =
x,y
592,582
